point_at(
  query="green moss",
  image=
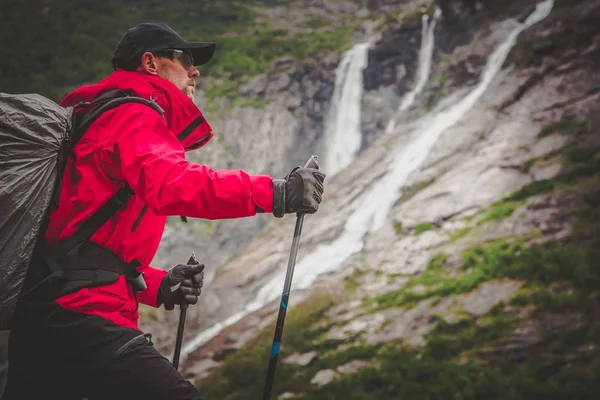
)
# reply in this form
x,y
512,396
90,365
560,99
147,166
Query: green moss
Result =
x,y
499,211
398,227
475,358
246,368
472,358
498,259
567,126
460,234
530,190
353,281
420,228
409,192
316,22
528,164
507,206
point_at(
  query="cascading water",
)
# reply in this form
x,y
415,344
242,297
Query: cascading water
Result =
x,y
425,57
372,209
342,131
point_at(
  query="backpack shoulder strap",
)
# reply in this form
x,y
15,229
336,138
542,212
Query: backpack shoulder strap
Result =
x,y
93,223
97,107
105,102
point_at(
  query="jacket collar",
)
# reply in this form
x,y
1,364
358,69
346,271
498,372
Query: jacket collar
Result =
x,y
182,116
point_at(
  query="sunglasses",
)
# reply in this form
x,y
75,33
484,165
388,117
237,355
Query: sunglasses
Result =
x,y
183,57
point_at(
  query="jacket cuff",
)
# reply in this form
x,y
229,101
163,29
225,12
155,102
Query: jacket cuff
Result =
x,y
279,197
262,192
153,277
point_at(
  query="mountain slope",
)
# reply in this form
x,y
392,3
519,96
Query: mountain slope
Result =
x,y
484,273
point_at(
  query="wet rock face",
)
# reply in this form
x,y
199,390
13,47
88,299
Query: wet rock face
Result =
x,y
392,58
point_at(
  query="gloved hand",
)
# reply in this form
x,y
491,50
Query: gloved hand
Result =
x,y
300,192
183,284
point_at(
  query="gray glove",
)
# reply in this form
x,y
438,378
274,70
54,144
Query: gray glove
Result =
x,y
300,192
183,284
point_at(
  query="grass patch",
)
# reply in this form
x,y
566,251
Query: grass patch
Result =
x,y
460,234
433,372
499,259
316,22
353,281
568,126
243,373
473,358
398,227
530,190
499,211
420,228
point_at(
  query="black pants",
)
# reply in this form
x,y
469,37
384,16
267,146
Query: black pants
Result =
x,y
57,354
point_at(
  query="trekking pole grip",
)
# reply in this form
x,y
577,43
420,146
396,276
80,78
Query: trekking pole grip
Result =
x,y
313,162
182,314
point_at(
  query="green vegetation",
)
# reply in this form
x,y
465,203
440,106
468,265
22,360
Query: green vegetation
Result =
x,y
467,359
353,281
409,192
55,46
243,372
472,358
505,207
398,227
567,126
420,228
460,234
316,22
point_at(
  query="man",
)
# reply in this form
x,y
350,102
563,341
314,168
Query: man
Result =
x,y
76,338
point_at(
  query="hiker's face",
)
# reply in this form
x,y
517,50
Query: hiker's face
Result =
x,y
177,68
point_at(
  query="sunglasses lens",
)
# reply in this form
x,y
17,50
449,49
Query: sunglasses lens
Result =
x,y
186,60
183,57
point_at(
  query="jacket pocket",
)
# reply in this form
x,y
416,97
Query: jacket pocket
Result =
x,y
131,344
139,218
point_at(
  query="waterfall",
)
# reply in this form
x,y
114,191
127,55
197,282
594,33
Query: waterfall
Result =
x,y
342,130
424,68
372,209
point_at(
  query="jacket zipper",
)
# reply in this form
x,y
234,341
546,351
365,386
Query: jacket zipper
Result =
x,y
139,218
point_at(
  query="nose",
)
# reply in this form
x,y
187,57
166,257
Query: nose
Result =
x,y
193,72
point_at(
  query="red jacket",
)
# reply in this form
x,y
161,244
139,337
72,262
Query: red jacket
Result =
x,y
133,144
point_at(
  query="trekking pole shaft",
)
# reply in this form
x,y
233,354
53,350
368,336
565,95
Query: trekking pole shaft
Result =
x,y
282,310
179,338
287,286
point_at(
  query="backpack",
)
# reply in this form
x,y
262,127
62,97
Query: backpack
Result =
x,y
36,136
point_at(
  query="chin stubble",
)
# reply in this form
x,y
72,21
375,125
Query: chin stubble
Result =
x,y
189,92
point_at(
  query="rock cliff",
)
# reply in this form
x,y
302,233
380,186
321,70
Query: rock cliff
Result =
x,y
485,260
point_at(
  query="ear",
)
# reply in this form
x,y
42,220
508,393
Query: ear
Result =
x,y
149,64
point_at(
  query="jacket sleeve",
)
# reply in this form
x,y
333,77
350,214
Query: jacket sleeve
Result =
x,y
153,277
152,161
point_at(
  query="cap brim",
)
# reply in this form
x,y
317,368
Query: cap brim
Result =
x,y
201,51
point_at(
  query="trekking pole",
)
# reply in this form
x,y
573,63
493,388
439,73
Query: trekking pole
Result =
x,y
182,315
287,286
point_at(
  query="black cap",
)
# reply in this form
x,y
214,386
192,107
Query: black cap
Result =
x,y
156,37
